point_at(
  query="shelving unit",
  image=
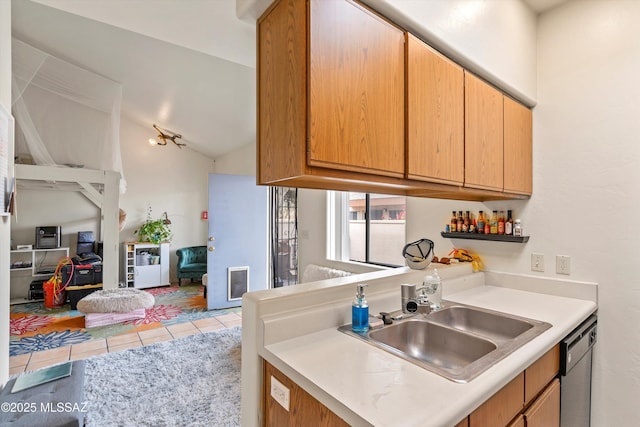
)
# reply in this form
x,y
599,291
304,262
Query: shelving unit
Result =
x,y
39,263
141,273
491,237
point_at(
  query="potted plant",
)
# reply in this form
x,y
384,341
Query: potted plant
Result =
x,y
155,230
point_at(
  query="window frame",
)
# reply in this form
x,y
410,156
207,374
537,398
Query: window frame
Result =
x,y
338,224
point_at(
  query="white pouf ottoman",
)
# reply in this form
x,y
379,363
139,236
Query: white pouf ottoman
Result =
x,y
110,306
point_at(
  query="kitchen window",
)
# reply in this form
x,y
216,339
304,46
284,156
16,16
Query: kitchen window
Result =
x,y
365,227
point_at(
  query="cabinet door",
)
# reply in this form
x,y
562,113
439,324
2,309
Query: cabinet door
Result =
x,y
147,276
502,407
483,134
517,147
282,94
435,115
545,411
304,409
540,373
356,90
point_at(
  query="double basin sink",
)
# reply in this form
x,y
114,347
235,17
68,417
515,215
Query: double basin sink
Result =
x,y
458,341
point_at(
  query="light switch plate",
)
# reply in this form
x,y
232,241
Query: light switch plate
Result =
x,y
280,393
537,262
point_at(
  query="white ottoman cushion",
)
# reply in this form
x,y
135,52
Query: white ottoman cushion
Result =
x,y
122,300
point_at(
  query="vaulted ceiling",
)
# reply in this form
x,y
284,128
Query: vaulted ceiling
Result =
x,y
186,66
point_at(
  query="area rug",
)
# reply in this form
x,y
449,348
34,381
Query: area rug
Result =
x,y
35,328
190,381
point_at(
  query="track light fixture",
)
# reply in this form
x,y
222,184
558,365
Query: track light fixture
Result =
x,y
165,135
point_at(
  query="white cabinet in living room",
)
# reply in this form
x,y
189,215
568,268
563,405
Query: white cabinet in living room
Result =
x,y
146,264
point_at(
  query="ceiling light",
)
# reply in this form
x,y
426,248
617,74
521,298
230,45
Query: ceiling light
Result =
x,y
165,135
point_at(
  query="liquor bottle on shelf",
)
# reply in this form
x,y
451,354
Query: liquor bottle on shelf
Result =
x,y
493,224
453,226
465,222
460,222
501,223
481,222
473,226
508,225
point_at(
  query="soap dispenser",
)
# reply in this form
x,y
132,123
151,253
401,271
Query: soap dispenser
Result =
x,y
360,311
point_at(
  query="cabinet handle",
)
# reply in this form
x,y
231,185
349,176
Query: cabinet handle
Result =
x,y
211,249
211,239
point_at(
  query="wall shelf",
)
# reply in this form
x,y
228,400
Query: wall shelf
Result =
x,y
491,237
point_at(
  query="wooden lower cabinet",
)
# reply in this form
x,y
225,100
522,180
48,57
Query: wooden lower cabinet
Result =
x,y
304,409
502,406
532,399
541,373
545,410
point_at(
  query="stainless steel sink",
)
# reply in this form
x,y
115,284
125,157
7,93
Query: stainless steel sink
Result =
x,y
497,327
434,344
458,341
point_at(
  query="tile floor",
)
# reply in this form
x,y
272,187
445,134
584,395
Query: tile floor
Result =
x,y
40,359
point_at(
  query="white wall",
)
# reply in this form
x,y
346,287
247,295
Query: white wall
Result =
x,y
5,223
169,179
586,158
238,162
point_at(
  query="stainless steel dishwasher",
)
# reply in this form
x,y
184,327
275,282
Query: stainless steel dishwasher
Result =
x,y
575,374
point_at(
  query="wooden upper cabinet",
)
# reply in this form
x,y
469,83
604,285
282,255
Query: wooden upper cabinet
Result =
x,y
348,101
435,115
282,91
518,134
484,119
356,90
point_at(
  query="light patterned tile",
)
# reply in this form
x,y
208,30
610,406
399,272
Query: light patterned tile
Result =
x,y
89,353
186,332
211,328
210,321
152,333
225,318
89,346
123,339
232,322
181,327
20,360
14,370
54,353
125,346
159,338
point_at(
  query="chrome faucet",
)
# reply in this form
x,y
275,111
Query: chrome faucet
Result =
x,y
414,300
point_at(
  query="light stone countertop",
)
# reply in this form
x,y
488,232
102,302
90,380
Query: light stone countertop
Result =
x,y
368,386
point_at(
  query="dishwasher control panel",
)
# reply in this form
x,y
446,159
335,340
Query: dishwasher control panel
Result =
x,y
577,344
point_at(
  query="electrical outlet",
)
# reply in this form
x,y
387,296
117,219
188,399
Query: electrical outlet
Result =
x,y
537,262
563,264
280,393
